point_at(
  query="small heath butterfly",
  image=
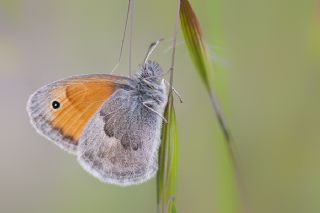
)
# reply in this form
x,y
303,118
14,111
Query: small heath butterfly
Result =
x,y
112,123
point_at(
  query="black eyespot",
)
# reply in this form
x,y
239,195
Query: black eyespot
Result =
x,y
55,104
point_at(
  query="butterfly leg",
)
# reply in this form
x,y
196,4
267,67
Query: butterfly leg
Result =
x,y
149,102
174,90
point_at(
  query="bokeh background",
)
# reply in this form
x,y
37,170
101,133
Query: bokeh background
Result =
x,y
266,59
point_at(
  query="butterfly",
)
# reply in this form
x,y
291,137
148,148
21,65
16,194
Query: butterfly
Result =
x,y
112,123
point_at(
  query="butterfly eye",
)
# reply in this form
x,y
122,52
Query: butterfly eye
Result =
x,y
55,104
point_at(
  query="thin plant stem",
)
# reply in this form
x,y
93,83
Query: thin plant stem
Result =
x,y
131,34
198,51
233,152
123,37
168,151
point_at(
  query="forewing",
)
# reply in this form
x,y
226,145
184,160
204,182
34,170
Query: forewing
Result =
x,y
78,98
121,142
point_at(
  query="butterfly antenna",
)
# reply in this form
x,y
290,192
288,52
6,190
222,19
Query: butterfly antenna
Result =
x,y
151,48
123,36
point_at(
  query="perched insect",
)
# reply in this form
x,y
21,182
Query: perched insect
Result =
x,y
112,123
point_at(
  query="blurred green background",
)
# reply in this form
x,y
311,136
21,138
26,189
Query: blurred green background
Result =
x,y
266,59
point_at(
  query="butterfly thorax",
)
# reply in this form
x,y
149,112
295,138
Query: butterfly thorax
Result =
x,y
148,87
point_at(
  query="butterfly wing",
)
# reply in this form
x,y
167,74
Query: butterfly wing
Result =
x,y
121,142
61,110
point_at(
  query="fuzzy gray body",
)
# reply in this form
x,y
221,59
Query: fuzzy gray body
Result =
x,y
120,143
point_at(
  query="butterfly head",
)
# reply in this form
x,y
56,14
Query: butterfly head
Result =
x,y
150,71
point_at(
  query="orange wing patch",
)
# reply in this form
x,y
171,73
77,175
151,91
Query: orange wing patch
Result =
x,y
79,100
